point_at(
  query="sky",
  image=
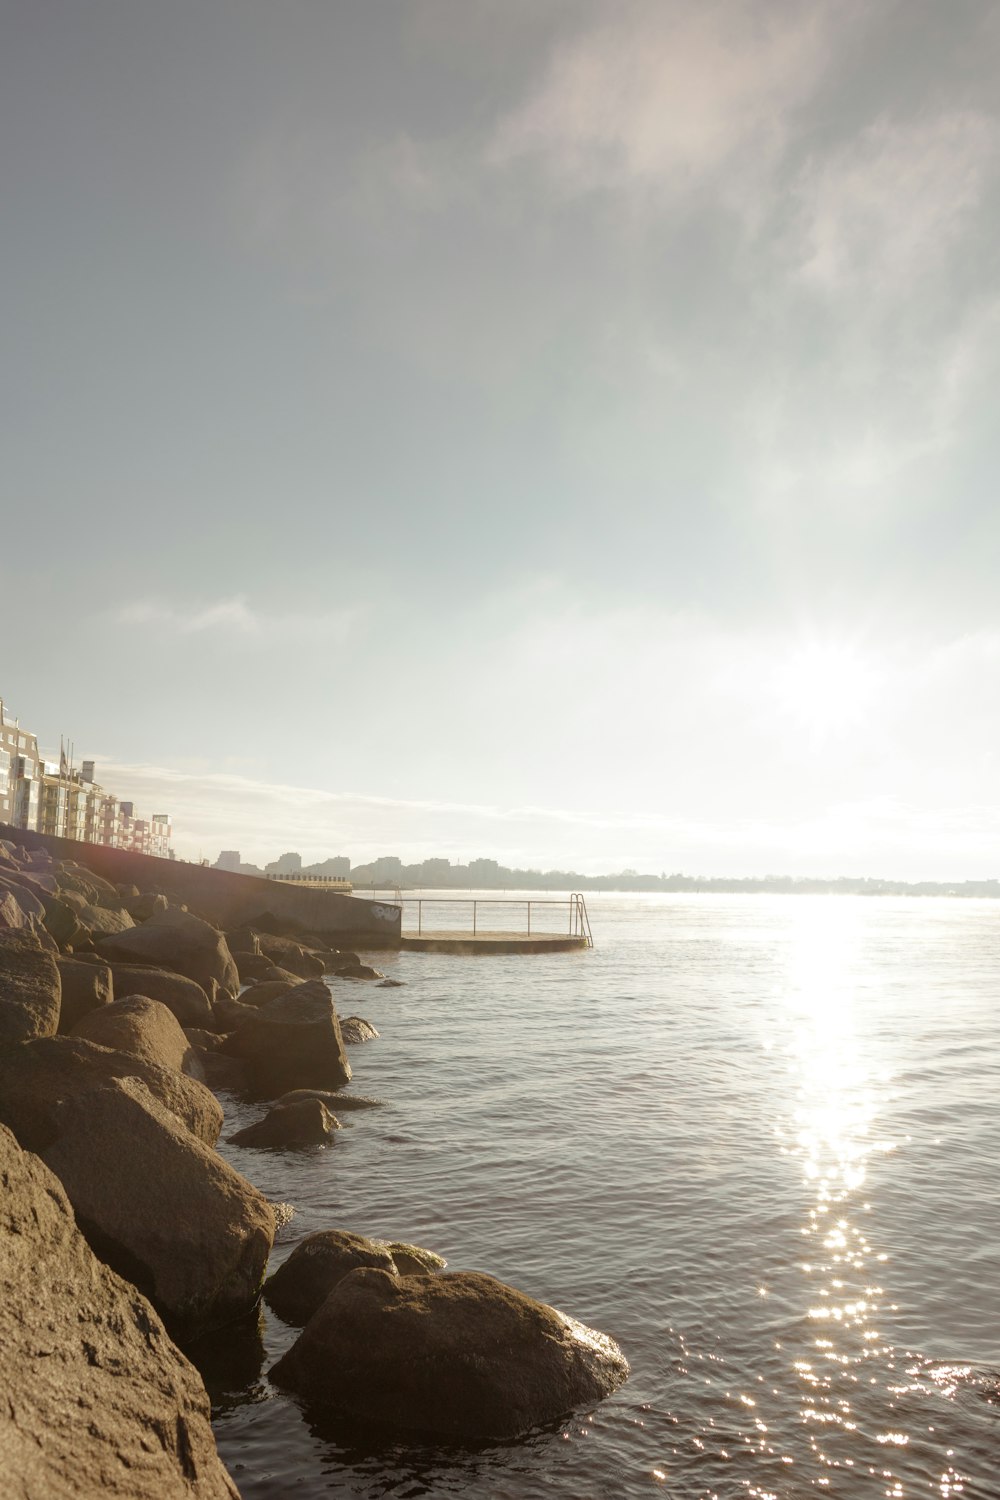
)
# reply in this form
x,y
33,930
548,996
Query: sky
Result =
x,y
561,433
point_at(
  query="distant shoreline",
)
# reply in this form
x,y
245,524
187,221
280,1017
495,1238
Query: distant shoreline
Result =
x,y
710,886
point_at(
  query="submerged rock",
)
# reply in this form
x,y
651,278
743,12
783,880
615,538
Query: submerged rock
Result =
x,y
459,1356
97,1400
358,971
304,1122
341,1103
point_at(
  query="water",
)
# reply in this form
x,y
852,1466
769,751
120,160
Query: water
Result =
x,y
755,1139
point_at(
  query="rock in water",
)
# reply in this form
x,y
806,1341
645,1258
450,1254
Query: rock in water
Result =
x,y
299,1288
97,1400
355,1029
459,1356
162,1208
293,1041
307,1122
30,989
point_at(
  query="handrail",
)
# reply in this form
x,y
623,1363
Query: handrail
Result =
x,y
579,921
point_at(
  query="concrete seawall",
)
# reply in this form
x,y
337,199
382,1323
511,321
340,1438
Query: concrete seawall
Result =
x,y
228,900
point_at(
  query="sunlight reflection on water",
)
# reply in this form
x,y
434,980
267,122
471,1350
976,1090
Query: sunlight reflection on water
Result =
x,y
753,1140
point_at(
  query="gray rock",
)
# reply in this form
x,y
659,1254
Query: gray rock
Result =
x,y
293,1042
36,1077
97,1400
85,987
161,1207
305,1122
358,971
459,1356
30,988
300,1287
143,1028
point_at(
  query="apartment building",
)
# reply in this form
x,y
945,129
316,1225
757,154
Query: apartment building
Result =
x,y
56,798
20,773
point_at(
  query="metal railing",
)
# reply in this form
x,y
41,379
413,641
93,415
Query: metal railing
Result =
x,y
577,919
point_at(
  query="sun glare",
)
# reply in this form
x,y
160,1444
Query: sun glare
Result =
x,y
825,689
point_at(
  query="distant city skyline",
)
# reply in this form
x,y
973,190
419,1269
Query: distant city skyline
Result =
x,y
564,434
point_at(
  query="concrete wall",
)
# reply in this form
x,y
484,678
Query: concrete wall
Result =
x,y
229,900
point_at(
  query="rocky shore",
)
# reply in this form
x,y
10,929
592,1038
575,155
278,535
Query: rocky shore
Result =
x,y
126,1236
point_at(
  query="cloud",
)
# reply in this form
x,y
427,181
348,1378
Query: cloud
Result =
x,y
235,619
888,207
666,95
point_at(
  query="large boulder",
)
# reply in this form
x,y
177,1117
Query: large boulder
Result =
x,y
181,942
97,1400
94,888
37,1077
251,966
358,971
85,987
307,1122
318,1263
268,989
30,988
293,1042
143,1028
460,1356
161,1207
184,997
286,954
101,921
21,903
13,917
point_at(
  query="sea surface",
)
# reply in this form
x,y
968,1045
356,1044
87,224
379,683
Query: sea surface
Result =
x,y
756,1139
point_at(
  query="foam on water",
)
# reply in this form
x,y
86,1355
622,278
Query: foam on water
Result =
x,y
753,1139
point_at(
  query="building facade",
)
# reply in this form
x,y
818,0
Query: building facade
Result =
x,y
53,797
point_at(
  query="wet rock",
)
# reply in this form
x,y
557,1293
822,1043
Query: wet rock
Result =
x,y
460,1356
161,1207
305,1122
30,988
341,1103
36,1077
176,940
184,997
358,971
143,1028
94,1389
413,1260
300,1287
292,1042
355,1030
391,984
85,987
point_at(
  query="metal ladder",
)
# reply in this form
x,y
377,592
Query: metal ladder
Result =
x,y
579,921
